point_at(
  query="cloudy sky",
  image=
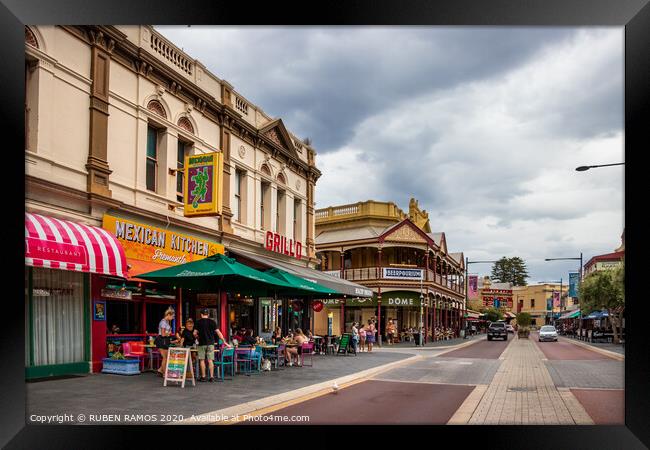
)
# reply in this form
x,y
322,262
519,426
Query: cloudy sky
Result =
x,y
484,126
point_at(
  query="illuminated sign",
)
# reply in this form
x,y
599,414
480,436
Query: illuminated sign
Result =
x,y
280,244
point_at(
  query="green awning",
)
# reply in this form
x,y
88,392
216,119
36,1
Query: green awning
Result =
x,y
299,282
221,272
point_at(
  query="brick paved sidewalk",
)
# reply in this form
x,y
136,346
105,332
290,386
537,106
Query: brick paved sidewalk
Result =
x,y
522,392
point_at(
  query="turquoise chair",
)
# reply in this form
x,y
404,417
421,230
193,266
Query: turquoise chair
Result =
x,y
226,359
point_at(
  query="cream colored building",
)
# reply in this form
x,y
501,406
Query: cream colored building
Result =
x,y
110,114
533,300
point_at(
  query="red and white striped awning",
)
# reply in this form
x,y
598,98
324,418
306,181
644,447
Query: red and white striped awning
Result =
x,y
66,245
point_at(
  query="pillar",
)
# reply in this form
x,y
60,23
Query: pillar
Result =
x,y
342,325
379,340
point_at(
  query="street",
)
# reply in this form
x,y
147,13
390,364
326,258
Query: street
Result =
x,y
520,381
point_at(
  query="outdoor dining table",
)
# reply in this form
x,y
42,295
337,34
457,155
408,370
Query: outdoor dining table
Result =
x,y
150,348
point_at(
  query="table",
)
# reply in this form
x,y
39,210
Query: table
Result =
x,y
318,344
150,348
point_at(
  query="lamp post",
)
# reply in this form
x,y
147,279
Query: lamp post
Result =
x,y
585,168
467,263
421,302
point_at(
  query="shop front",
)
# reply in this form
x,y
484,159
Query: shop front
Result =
x,y
61,256
133,308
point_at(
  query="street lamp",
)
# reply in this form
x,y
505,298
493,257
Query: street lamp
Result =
x,y
467,263
585,168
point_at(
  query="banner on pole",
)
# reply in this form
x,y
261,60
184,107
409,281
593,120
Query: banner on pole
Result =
x,y
472,290
574,279
556,299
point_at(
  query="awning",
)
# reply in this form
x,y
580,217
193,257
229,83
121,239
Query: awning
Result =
x,y
136,267
570,315
341,286
597,315
66,245
510,315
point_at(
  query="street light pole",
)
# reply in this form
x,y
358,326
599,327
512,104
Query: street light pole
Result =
x,y
467,263
585,168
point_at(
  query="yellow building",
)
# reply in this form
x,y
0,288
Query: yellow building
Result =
x,y
534,299
396,255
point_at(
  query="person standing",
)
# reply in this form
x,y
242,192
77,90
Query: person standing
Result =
x,y
355,336
362,337
391,331
370,334
164,339
207,330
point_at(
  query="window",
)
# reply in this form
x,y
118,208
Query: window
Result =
x,y
281,211
181,152
265,216
152,158
532,302
296,212
239,177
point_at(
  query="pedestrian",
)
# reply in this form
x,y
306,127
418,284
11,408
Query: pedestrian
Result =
x,y
370,334
390,332
207,329
362,338
355,336
164,339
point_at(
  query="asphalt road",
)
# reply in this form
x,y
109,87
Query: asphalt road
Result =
x,y
377,402
483,350
566,350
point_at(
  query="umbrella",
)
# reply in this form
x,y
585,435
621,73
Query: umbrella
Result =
x,y
299,282
219,271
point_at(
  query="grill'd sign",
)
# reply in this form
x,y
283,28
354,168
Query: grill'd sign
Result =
x,y
280,244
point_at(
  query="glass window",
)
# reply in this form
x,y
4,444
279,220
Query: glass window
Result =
x,y
152,158
532,302
155,313
124,314
237,213
57,316
181,151
263,198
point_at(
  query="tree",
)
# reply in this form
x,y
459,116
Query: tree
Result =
x,y
510,270
605,290
523,319
493,314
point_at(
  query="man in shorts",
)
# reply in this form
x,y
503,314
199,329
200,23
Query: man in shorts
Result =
x,y
207,330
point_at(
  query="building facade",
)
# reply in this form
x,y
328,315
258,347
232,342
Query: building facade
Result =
x,y
394,254
111,112
538,301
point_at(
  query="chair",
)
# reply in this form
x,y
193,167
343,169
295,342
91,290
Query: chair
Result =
x,y
330,345
307,349
226,359
276,355
135,349
244,360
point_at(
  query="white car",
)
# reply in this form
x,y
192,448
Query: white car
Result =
x,y
548,333
510,329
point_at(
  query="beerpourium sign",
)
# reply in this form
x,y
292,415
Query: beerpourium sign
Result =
x,y
202,190
402,274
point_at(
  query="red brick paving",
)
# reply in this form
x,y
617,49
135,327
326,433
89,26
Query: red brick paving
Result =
x,y
563,350
381,403
606,407
484,350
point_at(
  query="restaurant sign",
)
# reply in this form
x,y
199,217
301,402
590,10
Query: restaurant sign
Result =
x,y
275,242
151,244
122,294
202,190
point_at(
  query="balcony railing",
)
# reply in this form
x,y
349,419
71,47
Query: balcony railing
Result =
x,y
375,273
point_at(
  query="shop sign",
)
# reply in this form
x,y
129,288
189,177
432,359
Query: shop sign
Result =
x,y
152,244
203,179
497,302
333,302
396,273
333,273
123,294
275,242
402,299
55,251
317,306
99,311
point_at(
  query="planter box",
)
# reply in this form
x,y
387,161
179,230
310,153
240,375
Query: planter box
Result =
x,y
121,366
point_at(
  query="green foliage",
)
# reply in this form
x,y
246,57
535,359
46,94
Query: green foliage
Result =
x,y
603,290
524,319
510,270
117,355
493,314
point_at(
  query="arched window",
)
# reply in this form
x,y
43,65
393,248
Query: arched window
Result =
x,y
186,124
265,170
30,37
157,107
281,179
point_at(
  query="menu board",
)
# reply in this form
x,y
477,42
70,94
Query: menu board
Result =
x,y
344,343
178,361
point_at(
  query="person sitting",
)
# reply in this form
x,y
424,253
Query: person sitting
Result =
x,y
249,339
294,350
277,335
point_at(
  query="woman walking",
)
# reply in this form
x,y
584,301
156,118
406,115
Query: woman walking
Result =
x,y
164,339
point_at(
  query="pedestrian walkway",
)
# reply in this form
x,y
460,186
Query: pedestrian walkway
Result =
x,y
522,392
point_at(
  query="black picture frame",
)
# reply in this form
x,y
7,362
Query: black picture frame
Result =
x,y
634,15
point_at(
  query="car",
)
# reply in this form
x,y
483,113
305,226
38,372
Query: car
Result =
x,y
547,333
497,330
510,328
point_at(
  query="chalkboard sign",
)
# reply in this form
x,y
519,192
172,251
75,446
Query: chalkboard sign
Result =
x,y
178,363
344,343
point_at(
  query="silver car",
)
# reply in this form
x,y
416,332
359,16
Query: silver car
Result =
x,y
548,333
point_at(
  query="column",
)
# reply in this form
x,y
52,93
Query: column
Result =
x,y
342,320
379,315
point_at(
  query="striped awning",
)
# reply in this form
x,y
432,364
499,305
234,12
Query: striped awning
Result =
x,y
66,245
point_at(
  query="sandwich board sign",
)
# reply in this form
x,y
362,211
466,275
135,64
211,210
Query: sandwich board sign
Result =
x,y
344,344
178,362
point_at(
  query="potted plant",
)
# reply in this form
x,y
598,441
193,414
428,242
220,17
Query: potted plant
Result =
x,y
118,364
523,325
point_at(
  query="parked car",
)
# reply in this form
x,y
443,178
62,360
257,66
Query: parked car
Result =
x,y
510,329
547,333
497,330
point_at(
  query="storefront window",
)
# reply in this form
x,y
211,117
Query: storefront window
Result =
x,y
267,316
57,316
155,313
124,314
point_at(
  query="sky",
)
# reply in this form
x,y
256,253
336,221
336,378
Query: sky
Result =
x,y
483,125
